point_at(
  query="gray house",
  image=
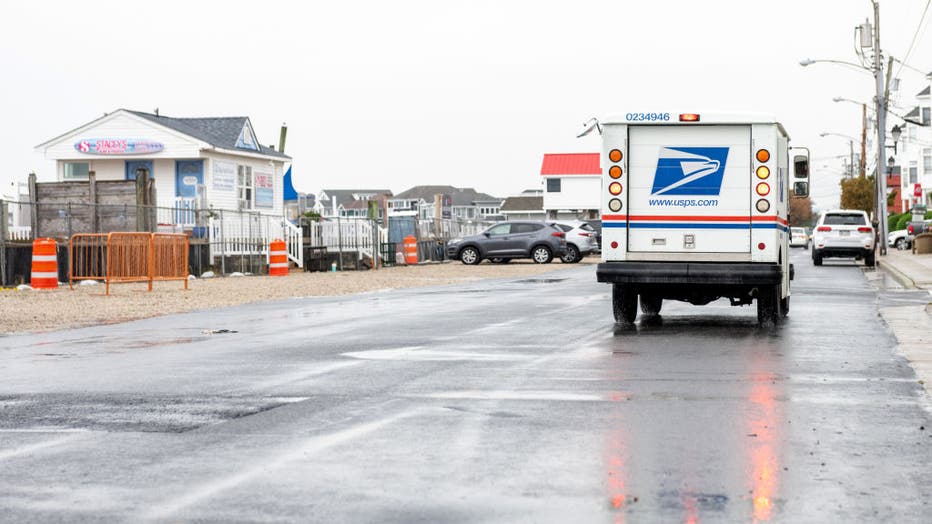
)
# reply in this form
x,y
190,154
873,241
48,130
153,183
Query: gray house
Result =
x,y
460,203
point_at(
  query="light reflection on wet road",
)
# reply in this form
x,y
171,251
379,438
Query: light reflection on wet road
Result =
x,y
493,401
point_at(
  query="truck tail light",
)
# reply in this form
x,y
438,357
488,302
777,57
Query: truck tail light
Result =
x,y
615,155
615,205
689,117
763,155
614,188
763,189
614,172
762,206
823,228
864,230
763,172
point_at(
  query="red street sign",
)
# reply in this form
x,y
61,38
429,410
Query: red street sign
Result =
x,y
917,190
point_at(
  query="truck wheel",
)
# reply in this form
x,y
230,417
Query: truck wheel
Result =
x,y
650,304
785,306
470,255
768,305
624,304
870,259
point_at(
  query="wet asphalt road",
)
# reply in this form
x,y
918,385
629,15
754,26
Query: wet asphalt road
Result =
x,y
498,401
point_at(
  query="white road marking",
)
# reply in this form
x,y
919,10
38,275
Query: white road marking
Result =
x,y
302,452
32,448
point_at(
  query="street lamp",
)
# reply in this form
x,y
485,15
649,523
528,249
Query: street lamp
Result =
x,y
880,100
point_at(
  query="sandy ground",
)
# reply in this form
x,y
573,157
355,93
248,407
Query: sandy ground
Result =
x,y
49,310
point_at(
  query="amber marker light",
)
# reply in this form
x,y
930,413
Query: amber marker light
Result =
x,y
614,172
763,155
614,188
615,155
763,189
763,172
689,117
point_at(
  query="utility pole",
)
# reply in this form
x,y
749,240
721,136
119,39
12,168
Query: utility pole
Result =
x,y
881,100
863,162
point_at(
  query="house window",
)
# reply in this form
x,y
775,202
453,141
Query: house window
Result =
x,y
76,171
913,175
927,160
244,185
925,115
553,185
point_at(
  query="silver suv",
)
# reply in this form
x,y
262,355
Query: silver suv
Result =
x,y
502,242
581,240
844,233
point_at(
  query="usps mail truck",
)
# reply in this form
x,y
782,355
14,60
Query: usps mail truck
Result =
x,y
695,208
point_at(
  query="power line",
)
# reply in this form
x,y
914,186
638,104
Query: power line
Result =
x,y
915,35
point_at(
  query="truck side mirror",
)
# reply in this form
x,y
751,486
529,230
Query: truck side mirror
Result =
x,y
800,171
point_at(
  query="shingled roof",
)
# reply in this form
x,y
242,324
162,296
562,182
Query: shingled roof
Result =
x,y
222,132
460,196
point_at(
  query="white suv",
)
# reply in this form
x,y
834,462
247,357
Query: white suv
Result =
x,y
844,233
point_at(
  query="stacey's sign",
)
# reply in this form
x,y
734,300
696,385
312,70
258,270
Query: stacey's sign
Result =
x,y
117,146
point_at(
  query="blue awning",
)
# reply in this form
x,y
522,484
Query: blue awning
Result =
x,y
289,193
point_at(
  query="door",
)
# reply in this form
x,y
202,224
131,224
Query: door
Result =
x,y
498,240
689,189
521,238
133,167
189,174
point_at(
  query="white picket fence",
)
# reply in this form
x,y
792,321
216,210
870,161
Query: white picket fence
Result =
x,y
251,233
348,235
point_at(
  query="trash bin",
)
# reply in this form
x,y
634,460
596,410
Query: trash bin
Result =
x,y
922,244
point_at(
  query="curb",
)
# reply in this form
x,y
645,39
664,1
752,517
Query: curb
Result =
x,y
901,277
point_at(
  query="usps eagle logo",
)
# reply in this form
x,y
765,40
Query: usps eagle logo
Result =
x,y
690,171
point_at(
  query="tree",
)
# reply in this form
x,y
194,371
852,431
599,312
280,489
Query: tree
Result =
x,y
858,193
800,212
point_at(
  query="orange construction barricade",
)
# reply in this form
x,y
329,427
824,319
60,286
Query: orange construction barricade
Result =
x,y
44,264
278,258
410,249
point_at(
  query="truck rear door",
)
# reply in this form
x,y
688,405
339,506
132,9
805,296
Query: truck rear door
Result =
x,y
689,189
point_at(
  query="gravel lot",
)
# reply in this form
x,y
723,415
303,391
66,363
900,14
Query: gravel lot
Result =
x,y
49,310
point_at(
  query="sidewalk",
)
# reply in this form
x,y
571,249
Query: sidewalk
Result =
x,y
913,271
912,325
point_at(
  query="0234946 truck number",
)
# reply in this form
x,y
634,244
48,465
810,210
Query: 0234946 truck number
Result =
x,y
647,117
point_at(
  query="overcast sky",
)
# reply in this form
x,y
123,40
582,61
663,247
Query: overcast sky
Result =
x,y
467,93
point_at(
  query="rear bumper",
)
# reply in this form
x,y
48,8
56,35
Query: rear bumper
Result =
x,y
689,273
842,252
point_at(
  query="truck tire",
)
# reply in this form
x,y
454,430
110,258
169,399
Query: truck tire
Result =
x,y
624,304
785,306
768,305
651,304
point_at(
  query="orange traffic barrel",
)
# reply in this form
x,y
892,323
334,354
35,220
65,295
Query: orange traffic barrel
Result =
x,y
44,264
278,258
410,249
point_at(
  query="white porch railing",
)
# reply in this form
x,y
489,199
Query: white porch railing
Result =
x,y
251,233
19,233
348,235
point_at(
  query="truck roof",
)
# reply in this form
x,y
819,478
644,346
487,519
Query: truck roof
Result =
x,y
707,117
